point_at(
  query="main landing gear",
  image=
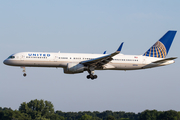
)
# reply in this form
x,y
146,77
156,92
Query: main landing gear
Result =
x,y
91,75
24,71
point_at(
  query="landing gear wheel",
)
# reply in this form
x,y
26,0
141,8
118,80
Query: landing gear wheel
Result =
x,y
92,78
95,76
24,74
88,76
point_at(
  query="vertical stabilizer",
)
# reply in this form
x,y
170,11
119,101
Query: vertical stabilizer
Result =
x,y
161,47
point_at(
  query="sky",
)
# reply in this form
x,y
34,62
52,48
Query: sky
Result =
x,y
89,27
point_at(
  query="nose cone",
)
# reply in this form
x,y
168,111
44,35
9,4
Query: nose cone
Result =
x,y
5,62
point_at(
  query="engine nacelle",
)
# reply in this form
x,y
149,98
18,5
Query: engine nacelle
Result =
x,y
73,68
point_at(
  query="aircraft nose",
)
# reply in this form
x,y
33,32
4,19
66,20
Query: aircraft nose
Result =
x,y
5,62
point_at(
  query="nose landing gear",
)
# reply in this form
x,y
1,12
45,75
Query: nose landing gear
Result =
x,y
24,74
24,71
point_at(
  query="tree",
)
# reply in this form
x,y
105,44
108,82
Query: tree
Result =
x,y
86,117
56,117
149,115
110,117
169,115
37,109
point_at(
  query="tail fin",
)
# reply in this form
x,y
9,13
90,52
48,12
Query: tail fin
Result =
x,y
160,48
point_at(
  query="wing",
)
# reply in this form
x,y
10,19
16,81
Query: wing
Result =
x,y
165,60
98,62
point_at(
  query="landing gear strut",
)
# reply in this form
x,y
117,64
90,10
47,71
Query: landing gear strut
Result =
x,y
24,71
91,75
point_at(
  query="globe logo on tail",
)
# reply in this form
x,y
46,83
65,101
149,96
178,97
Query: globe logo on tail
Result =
x,y
157,50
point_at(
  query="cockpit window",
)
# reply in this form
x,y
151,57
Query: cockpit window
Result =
x,y
11,57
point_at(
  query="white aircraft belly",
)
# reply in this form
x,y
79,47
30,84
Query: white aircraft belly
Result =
x,y
125,66
38,63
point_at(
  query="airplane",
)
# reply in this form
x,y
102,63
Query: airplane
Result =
x,y
73,63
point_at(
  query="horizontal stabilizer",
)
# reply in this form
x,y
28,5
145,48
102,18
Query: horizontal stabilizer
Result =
x,y
164,60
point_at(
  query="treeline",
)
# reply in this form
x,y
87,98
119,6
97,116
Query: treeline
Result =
x,y
44,110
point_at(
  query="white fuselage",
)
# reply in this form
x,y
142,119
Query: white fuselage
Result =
x,y
119,62
74,63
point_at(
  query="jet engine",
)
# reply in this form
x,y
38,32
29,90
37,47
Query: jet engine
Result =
x,y
73,68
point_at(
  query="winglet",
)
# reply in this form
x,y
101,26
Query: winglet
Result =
x,y
120,47
104,52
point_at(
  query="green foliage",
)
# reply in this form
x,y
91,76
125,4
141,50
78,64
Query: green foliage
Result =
x,y
110,117
86,117
124,119
44,110
149,115
38,109
158,115
10,114
56,117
